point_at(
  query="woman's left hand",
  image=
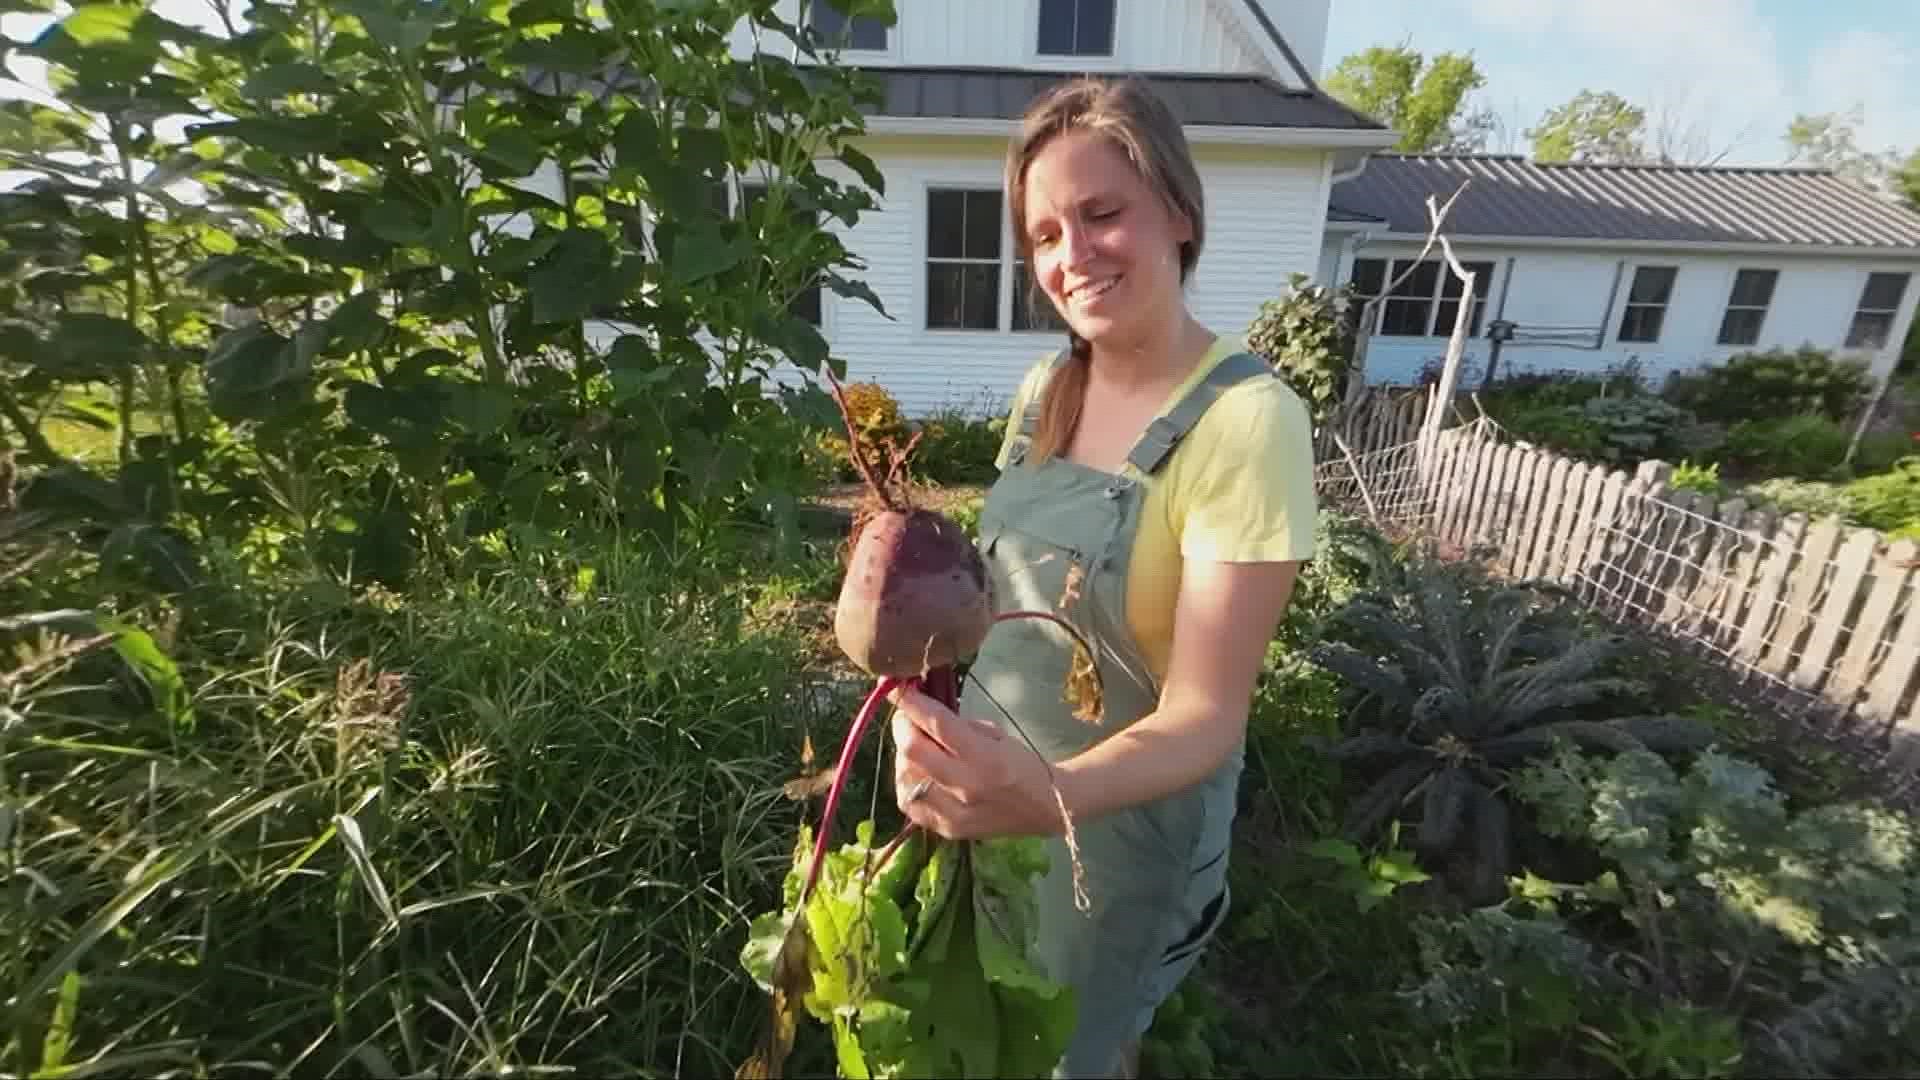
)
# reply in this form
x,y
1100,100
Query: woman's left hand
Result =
x,y
981,783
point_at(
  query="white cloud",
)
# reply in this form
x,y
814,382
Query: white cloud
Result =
x,y
1874,72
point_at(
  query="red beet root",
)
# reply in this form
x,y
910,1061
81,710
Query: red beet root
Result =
x,y
915,596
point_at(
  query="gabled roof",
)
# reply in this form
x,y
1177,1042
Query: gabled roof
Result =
x,y
983,93
1512,197
1270,40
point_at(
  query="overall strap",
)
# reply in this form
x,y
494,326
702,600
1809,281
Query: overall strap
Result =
x,y
1165,433
1030,416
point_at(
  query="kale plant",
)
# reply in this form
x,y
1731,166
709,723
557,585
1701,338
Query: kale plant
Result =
x,y
1454,681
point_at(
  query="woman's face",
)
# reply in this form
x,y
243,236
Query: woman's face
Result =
x,y
1105,246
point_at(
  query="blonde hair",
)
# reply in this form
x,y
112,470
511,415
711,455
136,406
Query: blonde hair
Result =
x,y
1142,127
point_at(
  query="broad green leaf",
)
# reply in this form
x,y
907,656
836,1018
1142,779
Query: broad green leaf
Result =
x,y
403,26
636,141
356,325
513,150
865,168
702,251
75,493
292,77
167,558
571,280
253,373
291,135
571,51
93,342
97,24
398,222
479,409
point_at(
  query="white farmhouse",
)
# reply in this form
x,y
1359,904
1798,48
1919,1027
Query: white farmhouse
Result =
x,y
957,74
1597,265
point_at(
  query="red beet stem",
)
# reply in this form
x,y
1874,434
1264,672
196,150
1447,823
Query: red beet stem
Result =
x,y
942,684
841,771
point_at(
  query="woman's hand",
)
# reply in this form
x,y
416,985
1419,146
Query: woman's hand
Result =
x,y
978,782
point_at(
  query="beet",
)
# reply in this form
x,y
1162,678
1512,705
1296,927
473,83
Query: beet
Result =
x,y
915,596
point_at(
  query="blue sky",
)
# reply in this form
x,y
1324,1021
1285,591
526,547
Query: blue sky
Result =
x,y
1729,73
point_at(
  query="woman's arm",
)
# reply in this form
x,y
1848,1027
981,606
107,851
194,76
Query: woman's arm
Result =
x,y
985,784
1225,616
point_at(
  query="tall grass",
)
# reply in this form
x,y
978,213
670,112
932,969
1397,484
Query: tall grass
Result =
x,y
514,823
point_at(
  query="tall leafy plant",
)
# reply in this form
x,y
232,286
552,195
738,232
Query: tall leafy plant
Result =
x,y
1307,336
436,269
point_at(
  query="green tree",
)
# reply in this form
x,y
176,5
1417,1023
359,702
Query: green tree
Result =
x,y
1831,141
1906,180
1595,126
1423,100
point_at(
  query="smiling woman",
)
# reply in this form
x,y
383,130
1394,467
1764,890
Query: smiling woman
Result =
x,y
1156,491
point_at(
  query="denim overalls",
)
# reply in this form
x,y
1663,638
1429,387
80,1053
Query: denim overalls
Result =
x,y
1156,875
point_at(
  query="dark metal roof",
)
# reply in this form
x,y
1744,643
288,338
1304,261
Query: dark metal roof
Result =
x,y
981,93
1512,196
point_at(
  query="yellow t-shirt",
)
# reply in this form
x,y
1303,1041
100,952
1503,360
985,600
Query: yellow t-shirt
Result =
x,y
1238,488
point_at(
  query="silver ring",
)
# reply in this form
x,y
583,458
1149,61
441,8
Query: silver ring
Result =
x,y
917,791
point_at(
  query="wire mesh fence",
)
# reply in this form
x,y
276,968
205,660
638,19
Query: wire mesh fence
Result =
x,y
1815,620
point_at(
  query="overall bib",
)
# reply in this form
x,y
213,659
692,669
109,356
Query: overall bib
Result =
x,y
1156,875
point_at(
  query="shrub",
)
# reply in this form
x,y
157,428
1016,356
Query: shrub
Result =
x,y
1636,427
1564,387
1788,495
876,415
1773,384
1889,501
956,447
1804,446
1880,450
1306,335
1700,479
1561,428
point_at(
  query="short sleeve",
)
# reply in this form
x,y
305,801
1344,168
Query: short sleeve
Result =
x,y
1245,489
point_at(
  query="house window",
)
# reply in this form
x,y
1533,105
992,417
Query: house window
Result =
x,y
1647,303
1076,27
862,32
963,259
1369,276
1032,310
1873,318
1426,301
806,303
1747,306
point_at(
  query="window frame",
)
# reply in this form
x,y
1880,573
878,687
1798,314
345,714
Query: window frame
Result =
x,y
1627,304
1434,300
807,9
1006,262
925,259
1765,308
1860,309
1037,9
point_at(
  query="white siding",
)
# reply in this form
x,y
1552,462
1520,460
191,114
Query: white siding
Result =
x,y
1568,290
1149,35
1263,223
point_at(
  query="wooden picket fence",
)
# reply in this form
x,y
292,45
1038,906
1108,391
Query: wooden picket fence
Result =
x,y
1822,617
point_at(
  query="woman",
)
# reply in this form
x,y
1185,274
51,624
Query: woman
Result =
x,y
1155,488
